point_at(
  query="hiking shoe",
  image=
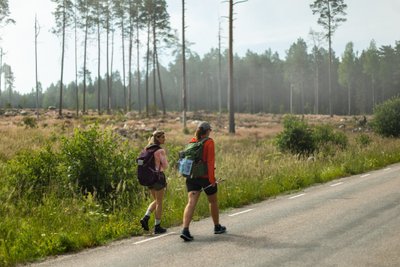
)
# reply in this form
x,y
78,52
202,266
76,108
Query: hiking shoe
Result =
x,y
145,223
219,229
186,236
159,230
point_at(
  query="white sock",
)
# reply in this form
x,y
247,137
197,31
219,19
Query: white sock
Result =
x,y
157,222
148,212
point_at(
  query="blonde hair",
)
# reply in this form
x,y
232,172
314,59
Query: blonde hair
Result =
x,y
153,140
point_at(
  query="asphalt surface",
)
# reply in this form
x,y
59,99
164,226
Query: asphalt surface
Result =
x,y
353,221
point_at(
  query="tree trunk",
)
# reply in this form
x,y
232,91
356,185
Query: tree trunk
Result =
x,y
1,71
316,93
36,69
138,62
107,67
154,68
76,64
98,67
147,68
160,84
219,72
231,102
62,61
123,62
84,68
330,78
330,63
130,66
111,69
184,104
302,97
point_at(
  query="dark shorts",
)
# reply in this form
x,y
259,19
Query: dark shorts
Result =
x,y
196,184
160,184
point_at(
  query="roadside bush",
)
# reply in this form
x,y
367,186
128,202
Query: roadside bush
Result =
x,y
327,139
296,138
363,140
386,120
299,138
32,174
98,163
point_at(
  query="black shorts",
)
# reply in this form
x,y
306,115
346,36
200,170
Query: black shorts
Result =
x,y
160,184
196,184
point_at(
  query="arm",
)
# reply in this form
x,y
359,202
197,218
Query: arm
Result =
x,y
164,160
210,159
161,162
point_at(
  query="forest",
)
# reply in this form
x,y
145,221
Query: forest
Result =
x,y
264,82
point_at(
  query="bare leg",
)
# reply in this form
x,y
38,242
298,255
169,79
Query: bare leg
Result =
x,y
214,210
193,198
152,205
158,202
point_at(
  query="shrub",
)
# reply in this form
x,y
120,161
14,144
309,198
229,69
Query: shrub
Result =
x,y
29,122
363,140
32,174
387,118
325,136
98,163
296,138
322,134
299,138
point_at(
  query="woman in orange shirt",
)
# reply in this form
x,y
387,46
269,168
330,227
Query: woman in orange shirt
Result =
x,y
207,183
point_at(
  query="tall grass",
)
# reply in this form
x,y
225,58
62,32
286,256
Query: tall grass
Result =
x,y
253,170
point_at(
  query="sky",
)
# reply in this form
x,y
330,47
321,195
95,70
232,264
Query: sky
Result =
x,y
259,25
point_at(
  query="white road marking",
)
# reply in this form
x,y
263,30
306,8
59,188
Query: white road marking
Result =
x,y
365,175
336,184
387,169
297,196
240,212
152,238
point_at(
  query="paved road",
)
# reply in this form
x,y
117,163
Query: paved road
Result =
x,y
354,221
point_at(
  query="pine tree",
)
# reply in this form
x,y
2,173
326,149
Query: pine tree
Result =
x,y
63,15
331,14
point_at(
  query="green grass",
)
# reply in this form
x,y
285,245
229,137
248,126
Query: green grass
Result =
x,y
253,170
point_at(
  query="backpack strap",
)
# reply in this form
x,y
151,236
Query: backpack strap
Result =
x,y
153,146
153,149
203,140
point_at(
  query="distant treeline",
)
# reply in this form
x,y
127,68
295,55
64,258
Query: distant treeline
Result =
x,y
262,83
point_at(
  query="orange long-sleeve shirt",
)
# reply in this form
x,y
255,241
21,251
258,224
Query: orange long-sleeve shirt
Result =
x,y
209,158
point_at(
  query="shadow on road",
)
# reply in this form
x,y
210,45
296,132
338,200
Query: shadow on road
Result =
x,y
254,242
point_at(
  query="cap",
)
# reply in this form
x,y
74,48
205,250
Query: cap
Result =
x,y
204,125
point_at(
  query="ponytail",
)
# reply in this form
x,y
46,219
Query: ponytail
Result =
x,y
153,140
200,132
